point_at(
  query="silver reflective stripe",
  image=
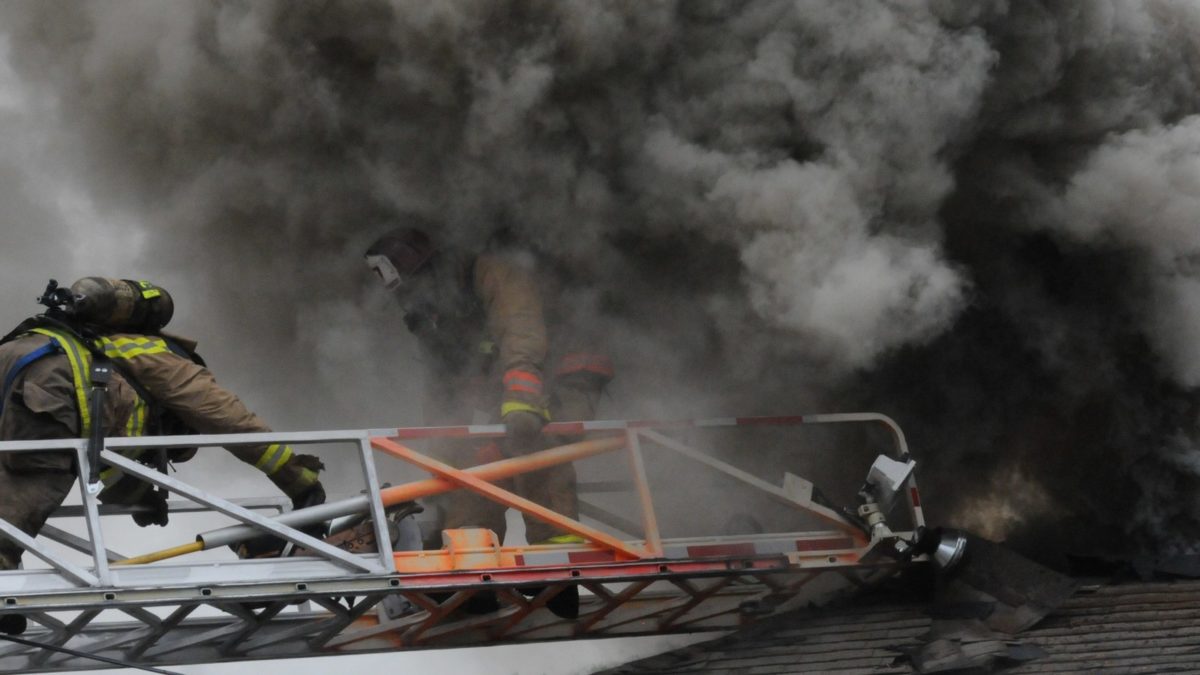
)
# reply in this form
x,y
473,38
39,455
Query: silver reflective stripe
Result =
x,y
273,458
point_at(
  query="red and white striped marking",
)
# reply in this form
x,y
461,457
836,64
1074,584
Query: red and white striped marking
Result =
x,y
698,550
571,428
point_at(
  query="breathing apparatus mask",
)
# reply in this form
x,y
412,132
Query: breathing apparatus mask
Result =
x,y
403,261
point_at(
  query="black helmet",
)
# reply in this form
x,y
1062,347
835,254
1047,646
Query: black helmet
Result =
x,y
400,255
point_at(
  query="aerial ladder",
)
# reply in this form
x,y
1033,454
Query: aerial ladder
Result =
x,y
89,606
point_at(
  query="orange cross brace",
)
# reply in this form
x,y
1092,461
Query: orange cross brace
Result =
x,y
467,480
499,470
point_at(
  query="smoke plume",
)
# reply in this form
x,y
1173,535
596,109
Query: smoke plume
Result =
x,y
978,217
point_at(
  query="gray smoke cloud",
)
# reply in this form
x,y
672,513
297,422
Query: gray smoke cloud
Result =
x,y
975,216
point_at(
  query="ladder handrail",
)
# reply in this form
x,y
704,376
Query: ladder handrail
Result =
x,y
633,431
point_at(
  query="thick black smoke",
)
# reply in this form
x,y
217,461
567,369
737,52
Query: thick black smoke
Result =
x,y
977,217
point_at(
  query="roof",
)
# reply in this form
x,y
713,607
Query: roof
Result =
x,y
1151,627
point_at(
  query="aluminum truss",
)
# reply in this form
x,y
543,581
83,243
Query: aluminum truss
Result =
x,y
335,602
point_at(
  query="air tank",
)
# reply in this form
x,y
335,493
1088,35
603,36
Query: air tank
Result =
x,y
122,304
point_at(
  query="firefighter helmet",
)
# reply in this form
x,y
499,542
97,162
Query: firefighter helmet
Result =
x,y
400,255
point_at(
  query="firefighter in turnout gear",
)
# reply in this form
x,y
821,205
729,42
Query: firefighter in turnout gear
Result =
x,y
488,340
158,386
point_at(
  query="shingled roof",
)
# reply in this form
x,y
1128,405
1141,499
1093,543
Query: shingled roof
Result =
x,y
1138,627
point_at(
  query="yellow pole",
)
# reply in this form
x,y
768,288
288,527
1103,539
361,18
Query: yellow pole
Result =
x,y
163,554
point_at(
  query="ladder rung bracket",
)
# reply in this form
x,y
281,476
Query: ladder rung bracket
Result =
x,y
194,640
322,638
230,646
61,635
235,609
678,625
697,596
452,603
113,641
333,606
475,623
150,625
422,600
48,621
302,628
399,624
146,617
524,606
611,603
173,619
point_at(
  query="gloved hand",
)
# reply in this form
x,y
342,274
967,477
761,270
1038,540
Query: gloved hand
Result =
x,y
268,546
524,432
155,503
314,496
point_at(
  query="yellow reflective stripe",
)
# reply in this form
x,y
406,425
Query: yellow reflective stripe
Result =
x,y
267,455
283,459
112,474
127,348
81,372
149,290
136,425
564,539
517,406
307,479
273,458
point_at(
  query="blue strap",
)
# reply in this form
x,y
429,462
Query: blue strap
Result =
x,y
11,378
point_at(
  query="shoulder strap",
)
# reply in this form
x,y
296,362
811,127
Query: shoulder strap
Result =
x,y
80,358
180,350
21,329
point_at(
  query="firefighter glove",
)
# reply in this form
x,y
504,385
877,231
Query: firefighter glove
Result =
x,y
154,504
314,496
524,432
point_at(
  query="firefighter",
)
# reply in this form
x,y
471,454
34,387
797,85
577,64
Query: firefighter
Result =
x,y
158,385
487,339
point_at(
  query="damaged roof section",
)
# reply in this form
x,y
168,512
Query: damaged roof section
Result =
x,y
1029,620
1151,627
